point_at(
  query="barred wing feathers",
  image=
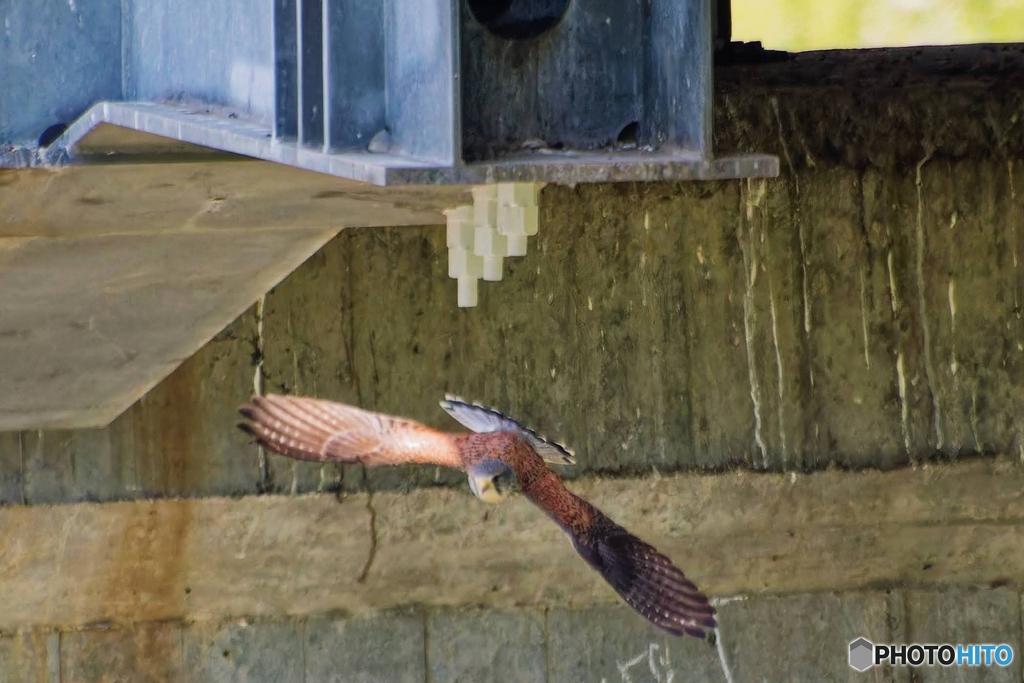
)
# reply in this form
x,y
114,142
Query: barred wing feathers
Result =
x,y
481,419
647,580
324,431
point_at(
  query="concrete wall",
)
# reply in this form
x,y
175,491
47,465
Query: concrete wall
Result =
x,y
863,310
185,559
800,637
429,585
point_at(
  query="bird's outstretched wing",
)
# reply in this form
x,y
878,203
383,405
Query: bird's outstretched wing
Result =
x,y
647,580
319,430
481,419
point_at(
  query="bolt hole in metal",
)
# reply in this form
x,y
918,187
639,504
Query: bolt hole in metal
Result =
x,y
629,136
48,136
518,19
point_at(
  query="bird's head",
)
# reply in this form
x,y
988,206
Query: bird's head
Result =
x,y
491,480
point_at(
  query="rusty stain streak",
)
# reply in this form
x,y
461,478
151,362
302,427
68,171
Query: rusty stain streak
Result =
x,y
170,435
150,551
156,656
147,579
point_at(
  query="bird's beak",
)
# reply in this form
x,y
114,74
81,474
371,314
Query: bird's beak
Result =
x,y
487,490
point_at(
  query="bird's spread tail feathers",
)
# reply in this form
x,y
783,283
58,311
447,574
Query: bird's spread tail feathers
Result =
x,y
481,420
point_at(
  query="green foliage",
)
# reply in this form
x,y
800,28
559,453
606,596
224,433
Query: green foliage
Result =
x,y
799,25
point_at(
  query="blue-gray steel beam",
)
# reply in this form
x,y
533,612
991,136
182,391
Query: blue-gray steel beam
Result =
x,y
248,139
679,95
614,90
217,53
286,70
353,72
608,67
311,72
57,58
421,66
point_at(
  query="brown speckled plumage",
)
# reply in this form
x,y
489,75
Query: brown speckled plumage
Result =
x,y
313,429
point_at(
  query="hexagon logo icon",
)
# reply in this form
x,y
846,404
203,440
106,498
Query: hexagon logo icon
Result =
x,y
861,654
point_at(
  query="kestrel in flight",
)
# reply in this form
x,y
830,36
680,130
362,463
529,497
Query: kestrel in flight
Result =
x,y
498,452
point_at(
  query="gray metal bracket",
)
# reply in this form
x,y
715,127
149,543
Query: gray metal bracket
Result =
x,y
413,91
87,139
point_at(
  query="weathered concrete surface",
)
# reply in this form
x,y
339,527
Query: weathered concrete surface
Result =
x,y
649,330
189,189
666,383
801,637
468,646
243,651
122,270
814,647
11,486
738,533
605,643
386,648
171,442
307,349
99,321
168,559
959,616
863,309
146,653
880,108
23,657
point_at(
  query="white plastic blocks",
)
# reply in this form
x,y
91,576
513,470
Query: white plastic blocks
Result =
x,y
482,234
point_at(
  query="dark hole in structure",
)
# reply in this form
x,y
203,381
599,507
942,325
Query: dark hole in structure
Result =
x,y
629,135
52,133
518,19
